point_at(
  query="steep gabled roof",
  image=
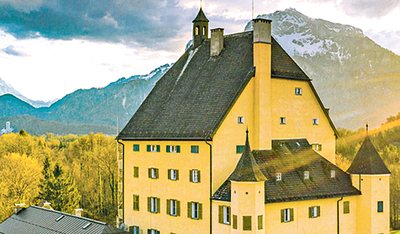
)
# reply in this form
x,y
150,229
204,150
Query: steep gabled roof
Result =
x,y
367,160
247,169
41,220
291,158
201,17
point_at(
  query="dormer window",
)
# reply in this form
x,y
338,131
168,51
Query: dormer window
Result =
x,y
278,176
240,120
306,175
333,173
316,147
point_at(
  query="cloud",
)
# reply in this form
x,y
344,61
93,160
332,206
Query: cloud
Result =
x,y
150,23
12,51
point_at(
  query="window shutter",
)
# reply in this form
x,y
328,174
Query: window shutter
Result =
x,y
168,149
310,212
148,204
282,215
318,211
158,148
149,170
169,174
177,174
234,222
229,212
178,208
157,173
200,211
189,208
148,231
148,148
291,214
220,214
158,205
198,176
178,148
191,175
168,206
158,232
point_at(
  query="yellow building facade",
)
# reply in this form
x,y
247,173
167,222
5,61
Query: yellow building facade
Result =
x,y
187,163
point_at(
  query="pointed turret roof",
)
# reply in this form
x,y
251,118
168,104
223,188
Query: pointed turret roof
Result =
x,y
247,169
201,17
367,160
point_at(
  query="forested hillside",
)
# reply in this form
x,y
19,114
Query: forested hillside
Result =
x,y
70,172
386,140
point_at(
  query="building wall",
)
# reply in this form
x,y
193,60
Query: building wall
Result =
x,y
182,190
299,111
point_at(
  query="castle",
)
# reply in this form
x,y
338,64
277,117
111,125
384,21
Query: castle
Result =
x,y
234,139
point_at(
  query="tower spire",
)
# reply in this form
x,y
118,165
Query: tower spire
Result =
x,y
201,3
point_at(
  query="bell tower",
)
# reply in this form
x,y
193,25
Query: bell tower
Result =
x,y
200,28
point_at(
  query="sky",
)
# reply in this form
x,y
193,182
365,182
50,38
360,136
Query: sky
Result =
x,y
49,48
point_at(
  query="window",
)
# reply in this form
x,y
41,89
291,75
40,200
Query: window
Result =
x,y
173,174
260,222
153,204
134,229
195,210
306,175
153,173
136,172
153,148
315,121
380,206
239,149
317,147
173,149
346,207
240,120
135,202
173,207
196,30
298,91
204,30
313,211
287,215
234,221
153,231
224,214
278,176
194,149
194,176
136,148
283,120
246,223
333,173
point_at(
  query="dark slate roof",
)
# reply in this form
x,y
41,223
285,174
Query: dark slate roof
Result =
x,y
201,17
247,169
368,161
41,220
190,101
292,158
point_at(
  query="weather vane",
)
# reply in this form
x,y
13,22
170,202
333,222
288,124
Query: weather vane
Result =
x,y
201,3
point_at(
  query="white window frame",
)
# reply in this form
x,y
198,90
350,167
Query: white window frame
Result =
x,y
286,215
298,91
240,120
315,121
153,148
195,210
195,176
333,173
153,205
172,148
282,120
153,173
154,231
306,175
225,214
278,176
173,207
314,211
173,174
317,147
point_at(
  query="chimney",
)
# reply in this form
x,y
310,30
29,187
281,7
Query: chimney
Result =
x,y
19,207
262,135
78,212
217,41
262,30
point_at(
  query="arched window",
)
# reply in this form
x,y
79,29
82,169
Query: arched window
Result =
x,y
196,30
204,30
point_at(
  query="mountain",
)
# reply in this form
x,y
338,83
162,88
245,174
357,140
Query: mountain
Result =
x,y
6,88
356,78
